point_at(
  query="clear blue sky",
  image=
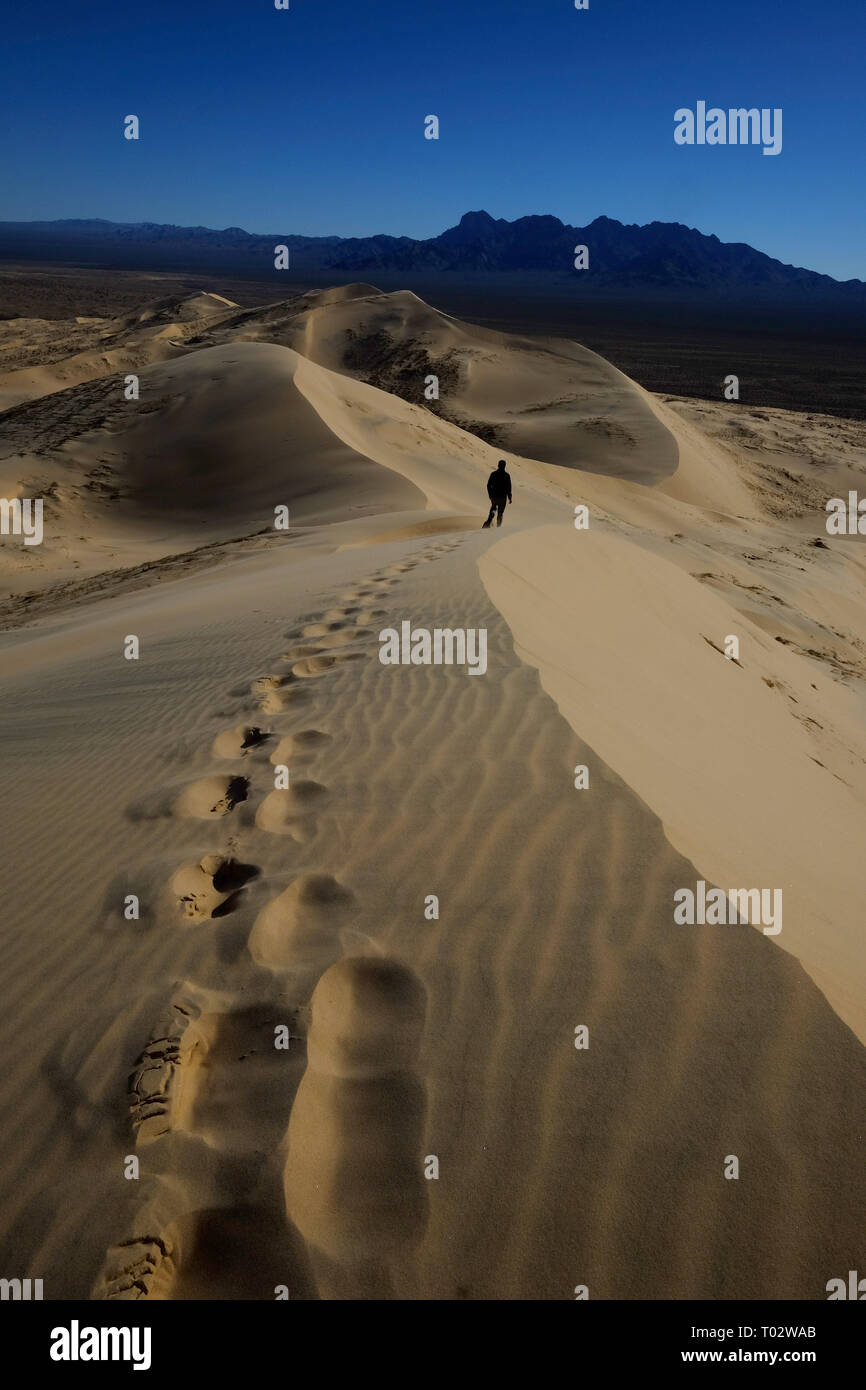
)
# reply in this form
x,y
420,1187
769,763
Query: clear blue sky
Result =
x,y
311,120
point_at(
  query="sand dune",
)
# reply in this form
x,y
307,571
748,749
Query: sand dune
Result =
x,y
546,399
340,1035
128,482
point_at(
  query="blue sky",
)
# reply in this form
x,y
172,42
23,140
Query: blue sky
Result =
x,y
311,120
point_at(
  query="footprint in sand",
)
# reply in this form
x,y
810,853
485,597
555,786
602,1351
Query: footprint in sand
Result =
x,y
275,693
301,926
210,888
289,810
237,1086
334,615
321,629
353,1177
212,797
299,747
262,685
217,1076
237,742
312,666
155,1084
345,637
206,1255
142,1267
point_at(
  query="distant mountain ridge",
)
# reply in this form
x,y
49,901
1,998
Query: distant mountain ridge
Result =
x,y
657,256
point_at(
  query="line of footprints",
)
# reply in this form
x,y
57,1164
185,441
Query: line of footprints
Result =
x,y
318,1152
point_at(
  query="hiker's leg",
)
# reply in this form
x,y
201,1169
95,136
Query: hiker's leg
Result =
x,y
500,508
490,515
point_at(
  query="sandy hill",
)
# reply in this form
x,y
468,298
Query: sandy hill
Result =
x,y
217,440
545,399
177,308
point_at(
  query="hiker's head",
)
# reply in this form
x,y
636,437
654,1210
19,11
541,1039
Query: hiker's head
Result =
x,y
501,463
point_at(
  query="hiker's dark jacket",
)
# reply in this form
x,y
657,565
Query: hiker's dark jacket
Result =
x,y
499,484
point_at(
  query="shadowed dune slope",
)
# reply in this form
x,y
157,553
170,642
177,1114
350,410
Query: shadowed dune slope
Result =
x,y
217,440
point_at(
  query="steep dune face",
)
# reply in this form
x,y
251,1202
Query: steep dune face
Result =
x,y
746,763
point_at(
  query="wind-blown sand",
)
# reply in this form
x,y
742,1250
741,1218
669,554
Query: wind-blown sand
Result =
x,y
409,1037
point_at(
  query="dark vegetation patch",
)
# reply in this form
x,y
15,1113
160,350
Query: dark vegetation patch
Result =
x,y
402,368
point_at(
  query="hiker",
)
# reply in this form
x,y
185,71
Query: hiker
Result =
x,y
499,492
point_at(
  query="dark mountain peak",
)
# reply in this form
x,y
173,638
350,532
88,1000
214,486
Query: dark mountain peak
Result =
x,y
542,223
477,221
473,226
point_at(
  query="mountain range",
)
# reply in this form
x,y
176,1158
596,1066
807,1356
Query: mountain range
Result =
x,y
665,256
